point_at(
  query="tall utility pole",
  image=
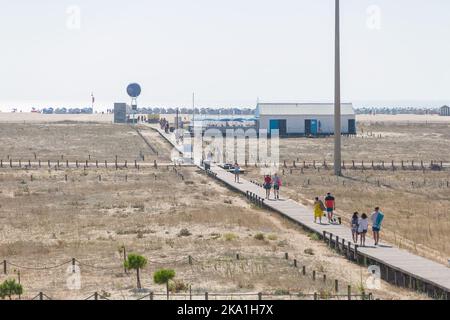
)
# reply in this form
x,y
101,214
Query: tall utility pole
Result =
x,y
337,95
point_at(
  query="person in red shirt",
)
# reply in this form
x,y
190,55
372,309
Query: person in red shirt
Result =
x,y
330,204
267,185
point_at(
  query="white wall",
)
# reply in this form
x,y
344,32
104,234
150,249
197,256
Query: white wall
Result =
x,y
296,124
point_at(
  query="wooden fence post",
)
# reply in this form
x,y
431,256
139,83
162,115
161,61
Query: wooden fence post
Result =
x,y
206,295
336,285
124,259
349,292
4,267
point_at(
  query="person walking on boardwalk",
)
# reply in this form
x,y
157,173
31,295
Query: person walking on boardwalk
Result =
x,y
377,219
319,208
237,171
267,185
276,186
363,226
354,225
330,204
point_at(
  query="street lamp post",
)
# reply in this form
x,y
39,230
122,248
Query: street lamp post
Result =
x,y
337,96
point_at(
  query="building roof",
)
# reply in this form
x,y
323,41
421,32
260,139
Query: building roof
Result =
x,y
277,109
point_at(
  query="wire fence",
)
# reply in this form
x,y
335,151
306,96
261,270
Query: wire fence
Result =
x,y
250,296
227,267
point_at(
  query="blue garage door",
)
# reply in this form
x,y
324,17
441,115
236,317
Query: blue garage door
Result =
x,y
311,127
280,125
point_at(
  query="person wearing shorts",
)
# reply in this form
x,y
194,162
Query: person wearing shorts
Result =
x,y
331,206
377,218
363,226
276,186
237,171
267,185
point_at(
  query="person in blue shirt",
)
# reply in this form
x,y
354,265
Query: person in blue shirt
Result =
x,y
237,171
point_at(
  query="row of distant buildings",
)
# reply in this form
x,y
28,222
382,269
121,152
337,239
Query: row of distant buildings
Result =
x,y
443,111
304,119
307,119
67,111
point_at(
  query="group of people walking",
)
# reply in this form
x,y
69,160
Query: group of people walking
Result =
x,y
272,182
329,206
360,226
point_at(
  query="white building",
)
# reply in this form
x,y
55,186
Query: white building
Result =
x,y
445,111
305,118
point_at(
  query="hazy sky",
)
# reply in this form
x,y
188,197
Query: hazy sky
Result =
x,y
228,52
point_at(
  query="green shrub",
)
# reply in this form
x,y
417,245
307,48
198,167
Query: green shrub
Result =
x,y
272,237
314,237
10,288
230,236
259,236
281,292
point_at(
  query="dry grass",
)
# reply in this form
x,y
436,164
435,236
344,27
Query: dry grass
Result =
x,y
76,141
415,202
405,141
48,221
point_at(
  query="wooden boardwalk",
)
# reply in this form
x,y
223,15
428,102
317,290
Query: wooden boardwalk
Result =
x,y
397,266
